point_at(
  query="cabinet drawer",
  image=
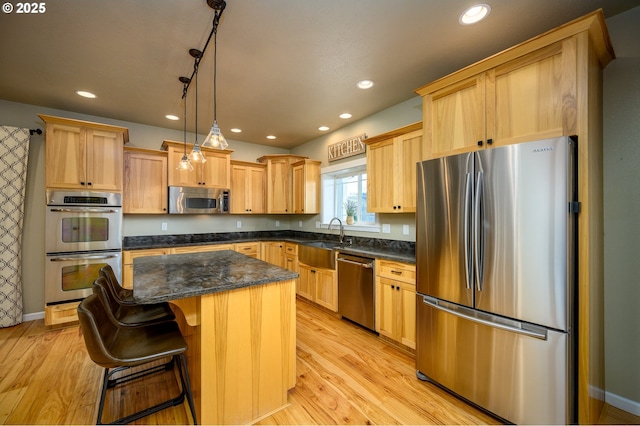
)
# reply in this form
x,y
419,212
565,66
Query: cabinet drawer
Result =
x,y
129,255
397,271
291,248
249,249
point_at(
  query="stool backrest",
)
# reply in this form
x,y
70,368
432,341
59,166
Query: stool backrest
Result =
x,y
98,331
123,295
102,289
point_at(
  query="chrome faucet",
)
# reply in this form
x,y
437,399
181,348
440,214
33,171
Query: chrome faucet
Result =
x,y
341,228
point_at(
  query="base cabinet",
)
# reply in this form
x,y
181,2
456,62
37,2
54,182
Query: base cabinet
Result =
x,y
396,302
318,285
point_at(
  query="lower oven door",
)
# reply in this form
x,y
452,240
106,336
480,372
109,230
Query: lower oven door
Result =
x,y
80,229
70,277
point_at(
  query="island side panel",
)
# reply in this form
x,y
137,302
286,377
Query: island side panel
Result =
x,y
247,352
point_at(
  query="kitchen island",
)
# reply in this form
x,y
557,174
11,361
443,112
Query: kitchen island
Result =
x,y
237,314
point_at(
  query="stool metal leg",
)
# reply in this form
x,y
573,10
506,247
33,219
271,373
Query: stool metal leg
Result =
x,y
187,385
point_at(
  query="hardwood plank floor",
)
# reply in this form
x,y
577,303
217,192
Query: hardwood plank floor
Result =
x,y
346,375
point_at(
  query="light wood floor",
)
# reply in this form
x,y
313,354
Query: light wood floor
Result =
x,y
346,375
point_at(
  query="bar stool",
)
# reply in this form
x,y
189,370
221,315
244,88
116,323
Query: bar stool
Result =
x,y
131,314
123,295
119,348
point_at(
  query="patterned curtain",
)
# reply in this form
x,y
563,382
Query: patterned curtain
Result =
x,y
14,152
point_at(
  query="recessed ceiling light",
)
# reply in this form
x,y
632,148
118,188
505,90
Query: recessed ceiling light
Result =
x,y
271,137
345,115
172,117
474,14
85,94
323,128
365,84
236,130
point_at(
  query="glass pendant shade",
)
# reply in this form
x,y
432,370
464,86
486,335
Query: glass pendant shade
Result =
x,y
197,156
185,164
215,139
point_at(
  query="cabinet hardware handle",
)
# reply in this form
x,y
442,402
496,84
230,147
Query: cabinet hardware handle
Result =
x,y
89,183
479,143
489,141
396,272
394,207
398,288
393,287
82,183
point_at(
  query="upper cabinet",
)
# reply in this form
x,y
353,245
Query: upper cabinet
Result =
x,y
145,181
391,170
247,187
214,173
528,92
279,182
83,155
306,186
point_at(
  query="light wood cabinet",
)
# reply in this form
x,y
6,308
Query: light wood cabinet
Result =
x,y
127,262
279,182
273,252
318,285
391,170
291,256
83,155
548,86
306,186
214,173
201,248
145,181
247,187
396,301
528,98
251,249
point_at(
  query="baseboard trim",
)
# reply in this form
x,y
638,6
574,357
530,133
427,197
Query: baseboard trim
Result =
x,y
32,317
622,403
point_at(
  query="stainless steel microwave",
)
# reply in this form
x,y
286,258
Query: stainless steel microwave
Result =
x,y
192,200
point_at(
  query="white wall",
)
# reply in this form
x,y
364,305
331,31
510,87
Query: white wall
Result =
x,y
622,213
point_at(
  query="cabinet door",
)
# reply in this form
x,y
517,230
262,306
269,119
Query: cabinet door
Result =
x,y
533,97
454,118
298,188
104,160
278,186
326,293
65,157
216,171
273,252
407,302
306,187
145,183
256,195
180,177
380,183
408,150
306,281
240,188
386,311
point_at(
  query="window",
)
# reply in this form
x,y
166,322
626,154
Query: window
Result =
x,y
342,183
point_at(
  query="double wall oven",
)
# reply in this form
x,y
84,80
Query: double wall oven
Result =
x,y
83,234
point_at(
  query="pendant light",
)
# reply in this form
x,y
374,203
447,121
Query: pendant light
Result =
x,y
184,163
196,156
215,139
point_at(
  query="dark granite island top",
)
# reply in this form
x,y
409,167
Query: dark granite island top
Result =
x,y
178,276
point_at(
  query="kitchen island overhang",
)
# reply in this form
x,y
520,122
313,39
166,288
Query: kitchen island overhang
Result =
x,y
237,314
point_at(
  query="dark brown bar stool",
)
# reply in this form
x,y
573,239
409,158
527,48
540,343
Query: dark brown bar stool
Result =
x,y
123,295
119,348
131,314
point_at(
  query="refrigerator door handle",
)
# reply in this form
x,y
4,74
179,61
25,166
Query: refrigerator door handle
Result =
x,y
468,259
478,231
485,319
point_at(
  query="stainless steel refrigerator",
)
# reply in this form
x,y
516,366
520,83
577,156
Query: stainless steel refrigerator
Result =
x,y
496,238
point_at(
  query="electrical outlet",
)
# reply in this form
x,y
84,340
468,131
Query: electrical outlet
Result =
x,y
300,223
317,224
386,228
405,229
277,223
164,226
239,224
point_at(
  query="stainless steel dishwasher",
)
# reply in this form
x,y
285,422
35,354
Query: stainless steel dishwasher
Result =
x,y
356,294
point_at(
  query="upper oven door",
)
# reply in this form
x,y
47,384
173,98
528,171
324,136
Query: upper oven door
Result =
x,y
74,228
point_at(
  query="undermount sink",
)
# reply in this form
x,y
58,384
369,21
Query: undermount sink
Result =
x,y
318,254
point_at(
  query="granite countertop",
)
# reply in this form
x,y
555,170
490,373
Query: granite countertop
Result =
x,y
178,276
400,251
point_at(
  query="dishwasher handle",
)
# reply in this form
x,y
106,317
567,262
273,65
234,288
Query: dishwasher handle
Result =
x,y
362,265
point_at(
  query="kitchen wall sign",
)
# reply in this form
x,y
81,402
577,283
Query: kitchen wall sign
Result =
x,y
347,148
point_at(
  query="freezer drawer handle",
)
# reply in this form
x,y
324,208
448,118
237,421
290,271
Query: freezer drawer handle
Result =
x,y
362,265
542,336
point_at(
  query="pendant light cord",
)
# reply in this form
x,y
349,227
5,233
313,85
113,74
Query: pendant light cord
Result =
x,y
215,71
184,96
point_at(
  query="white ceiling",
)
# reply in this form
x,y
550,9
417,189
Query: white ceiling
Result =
x,y
285,67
